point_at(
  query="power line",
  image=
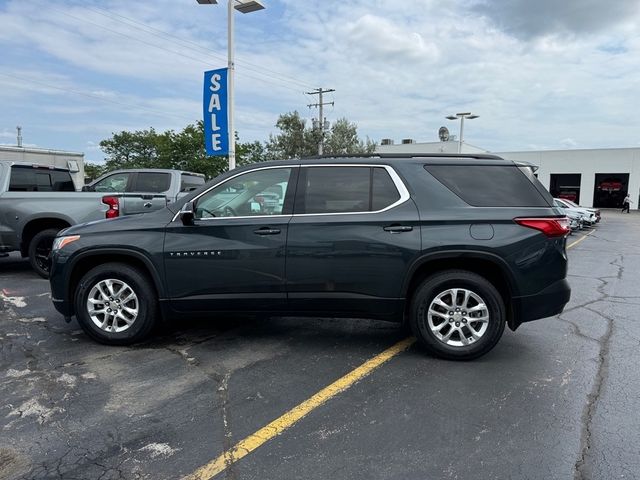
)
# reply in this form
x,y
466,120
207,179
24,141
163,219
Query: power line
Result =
x,y
196,59
96,97
190,44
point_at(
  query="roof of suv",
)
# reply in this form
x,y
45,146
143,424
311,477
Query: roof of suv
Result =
x,y
427,158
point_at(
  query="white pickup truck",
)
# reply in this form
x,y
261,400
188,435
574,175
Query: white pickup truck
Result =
x,y
37,201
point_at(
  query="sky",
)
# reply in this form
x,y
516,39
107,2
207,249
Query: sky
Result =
x,y
540,74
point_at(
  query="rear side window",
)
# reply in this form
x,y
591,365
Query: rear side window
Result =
x,y
43,182
22,180
489,185
337,189
61,181
27,179
384,191
153,182
190,182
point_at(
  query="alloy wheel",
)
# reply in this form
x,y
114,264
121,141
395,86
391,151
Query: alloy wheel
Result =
x,y
112,305
458,317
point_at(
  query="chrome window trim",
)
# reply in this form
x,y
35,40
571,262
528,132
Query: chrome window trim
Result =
x,y
194,199
243,216
400,187
399,184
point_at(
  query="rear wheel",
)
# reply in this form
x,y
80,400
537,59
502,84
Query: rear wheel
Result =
x,y
40,251
457,315
116,304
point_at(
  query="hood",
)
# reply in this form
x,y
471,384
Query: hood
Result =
x,y
156,219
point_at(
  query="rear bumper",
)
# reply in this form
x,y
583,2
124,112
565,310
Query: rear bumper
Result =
x,y
546,303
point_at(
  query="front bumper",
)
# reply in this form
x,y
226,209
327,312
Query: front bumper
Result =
x,y
546,303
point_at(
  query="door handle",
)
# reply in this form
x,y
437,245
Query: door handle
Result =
x,y
398,228
267,231
147,205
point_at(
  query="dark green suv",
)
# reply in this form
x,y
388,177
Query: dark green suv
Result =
x,y
456,246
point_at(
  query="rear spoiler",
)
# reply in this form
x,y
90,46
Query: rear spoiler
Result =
x,y
534,168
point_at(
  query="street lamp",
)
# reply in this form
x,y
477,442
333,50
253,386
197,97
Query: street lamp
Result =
x,y
243,6
461,116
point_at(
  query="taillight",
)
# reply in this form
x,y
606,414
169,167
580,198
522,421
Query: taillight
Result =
x,y
114,206
551,226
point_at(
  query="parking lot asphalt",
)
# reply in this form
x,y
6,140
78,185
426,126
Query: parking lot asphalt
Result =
x,y
559,398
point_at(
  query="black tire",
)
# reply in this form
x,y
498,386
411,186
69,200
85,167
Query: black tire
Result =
x,y
146,304
436,285
40,251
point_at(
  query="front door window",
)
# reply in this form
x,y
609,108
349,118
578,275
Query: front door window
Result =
x,y
256,193
113,183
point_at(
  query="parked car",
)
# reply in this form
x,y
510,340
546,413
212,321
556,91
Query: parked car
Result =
x,y
37,201
595,211
610,185
568,195
172,184
428,240
589,217
575,220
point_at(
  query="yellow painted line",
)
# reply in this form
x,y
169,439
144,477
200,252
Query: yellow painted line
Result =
x,y
249,444
579,240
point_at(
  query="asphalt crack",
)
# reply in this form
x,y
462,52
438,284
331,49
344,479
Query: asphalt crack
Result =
x,y
581,467
594,397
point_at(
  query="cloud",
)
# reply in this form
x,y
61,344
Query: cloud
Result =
x,y
526,19
8,134
381,40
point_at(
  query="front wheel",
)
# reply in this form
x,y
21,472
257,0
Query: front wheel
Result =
x,y
40,251
116,304
457,315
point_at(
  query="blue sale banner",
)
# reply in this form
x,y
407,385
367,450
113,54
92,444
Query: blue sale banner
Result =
x,y
216,120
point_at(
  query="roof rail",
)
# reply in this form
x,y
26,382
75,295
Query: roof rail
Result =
x,y
408,155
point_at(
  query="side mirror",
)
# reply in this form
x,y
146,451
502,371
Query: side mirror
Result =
x,y
87,188
187,214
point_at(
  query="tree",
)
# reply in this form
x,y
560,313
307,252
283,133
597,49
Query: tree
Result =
x,y
137,149
247,153
93,170
296,140
343,139
183,150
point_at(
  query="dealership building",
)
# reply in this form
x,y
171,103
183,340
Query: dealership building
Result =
x,y
592,177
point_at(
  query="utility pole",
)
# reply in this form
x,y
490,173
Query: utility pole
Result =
x,y
320,104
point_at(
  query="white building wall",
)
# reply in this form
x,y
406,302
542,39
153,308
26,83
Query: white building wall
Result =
x,y
57,158
430,147
587,163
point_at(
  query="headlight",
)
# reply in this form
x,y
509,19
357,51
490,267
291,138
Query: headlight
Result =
x,y
60,242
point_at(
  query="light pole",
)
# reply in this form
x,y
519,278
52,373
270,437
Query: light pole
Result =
x,y
243,6
461,116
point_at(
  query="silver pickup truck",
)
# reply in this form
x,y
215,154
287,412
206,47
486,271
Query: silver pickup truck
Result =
x,y
36,202
173,184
